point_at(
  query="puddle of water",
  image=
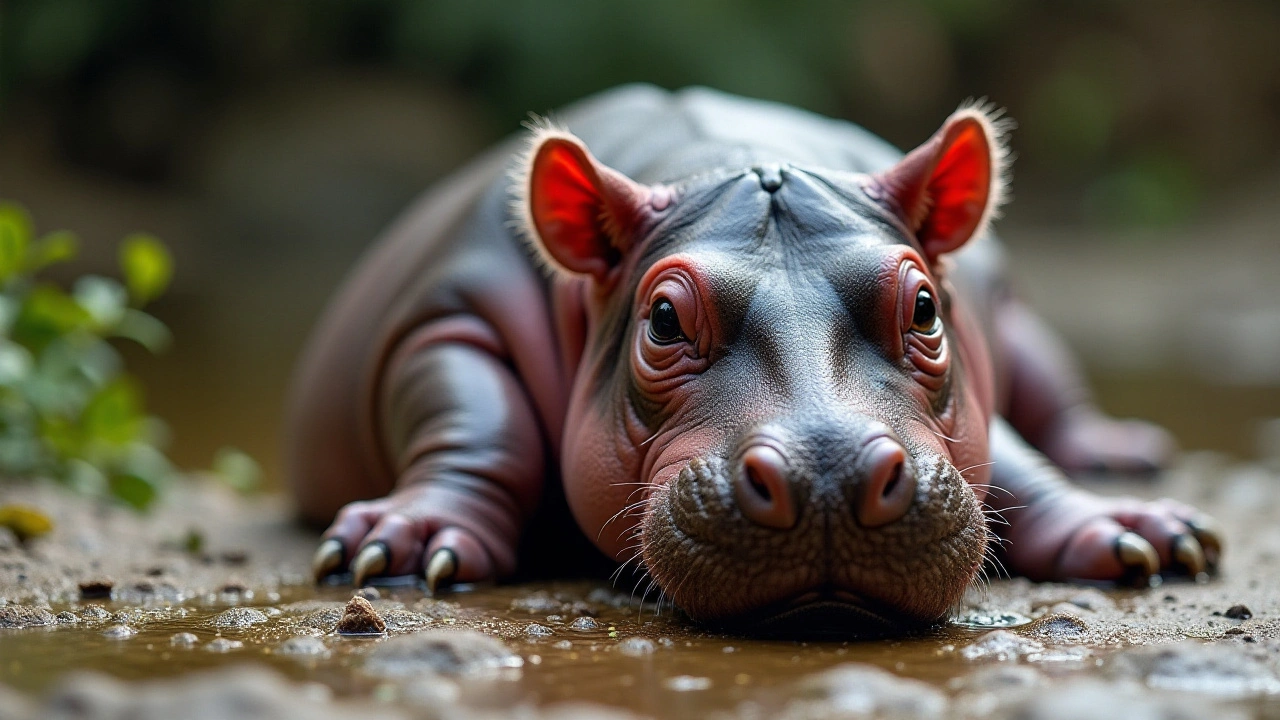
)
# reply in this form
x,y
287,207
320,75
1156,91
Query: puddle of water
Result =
x,y
682,670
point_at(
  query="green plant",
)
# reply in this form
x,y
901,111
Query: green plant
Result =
x,y
68,409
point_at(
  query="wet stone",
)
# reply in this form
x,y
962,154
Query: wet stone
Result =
x,y
359,618
1214,669
856,690
94,612
636,647
1000,645
322,620
303,646
222,645
183,639
369,593
584,624
119,632
536,630
21,616
443,652
96,588
66,617
1238,612
1058,628
400,620
239,617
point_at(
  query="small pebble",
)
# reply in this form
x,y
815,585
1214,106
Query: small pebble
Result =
x,y
94,612
239,617
584,623
1238,612
536,630
359,618
369,593
66,617
119,632
183,639
96,588
222,645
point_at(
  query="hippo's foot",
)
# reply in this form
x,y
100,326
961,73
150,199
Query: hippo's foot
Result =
x,y
1080,536
443,533
1089,441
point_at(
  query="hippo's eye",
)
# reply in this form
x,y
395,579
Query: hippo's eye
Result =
x,y
664,322
925,318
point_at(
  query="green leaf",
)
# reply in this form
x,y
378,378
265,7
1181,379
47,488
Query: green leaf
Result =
x,y
15,235
237,469
26,522
47,314
105,299
16,363
145,330
56,247
115,414
147,267
134,490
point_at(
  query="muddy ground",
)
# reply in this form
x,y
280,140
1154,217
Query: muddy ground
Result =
x,y
231,626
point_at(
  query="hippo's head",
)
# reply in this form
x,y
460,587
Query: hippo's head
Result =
x,y
781,409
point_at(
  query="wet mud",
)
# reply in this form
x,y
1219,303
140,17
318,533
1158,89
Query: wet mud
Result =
x,y
205,609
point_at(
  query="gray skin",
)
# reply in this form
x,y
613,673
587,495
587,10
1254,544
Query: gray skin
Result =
x,y
795,456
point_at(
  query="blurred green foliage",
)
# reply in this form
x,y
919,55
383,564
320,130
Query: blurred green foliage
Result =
x,y
1109,96
68,409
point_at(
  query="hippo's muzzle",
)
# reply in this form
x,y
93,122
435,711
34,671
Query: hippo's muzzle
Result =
x,y
826,528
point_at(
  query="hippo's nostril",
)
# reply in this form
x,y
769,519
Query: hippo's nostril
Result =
x,y
888,484
894,479
753,477
763,488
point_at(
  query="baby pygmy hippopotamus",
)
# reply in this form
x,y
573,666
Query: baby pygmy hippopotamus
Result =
x,y
759,354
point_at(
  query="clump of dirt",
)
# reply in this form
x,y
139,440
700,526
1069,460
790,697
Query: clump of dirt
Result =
x,y
21,616
359,618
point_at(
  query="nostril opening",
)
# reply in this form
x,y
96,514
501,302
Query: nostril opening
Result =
x,y
893,481
758,485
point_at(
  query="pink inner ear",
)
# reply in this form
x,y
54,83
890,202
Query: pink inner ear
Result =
x,y
958,189
566,207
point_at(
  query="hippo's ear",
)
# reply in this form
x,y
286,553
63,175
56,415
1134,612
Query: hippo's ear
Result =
x,y
949,189
583,215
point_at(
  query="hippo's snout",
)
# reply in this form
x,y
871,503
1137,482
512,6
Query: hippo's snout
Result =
x,y
834,515
881,477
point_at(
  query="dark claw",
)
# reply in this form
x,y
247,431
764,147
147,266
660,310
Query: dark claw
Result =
x,y
440,570
1209,535
1138,557
1188,554
372,560
328,558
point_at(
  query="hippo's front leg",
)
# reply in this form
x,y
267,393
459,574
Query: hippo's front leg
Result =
x,y
468,459
1057,531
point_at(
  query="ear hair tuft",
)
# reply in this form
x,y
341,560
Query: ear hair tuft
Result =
x,y
541,128
998,127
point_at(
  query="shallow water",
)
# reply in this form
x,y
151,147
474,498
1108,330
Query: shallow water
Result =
x,y
684,669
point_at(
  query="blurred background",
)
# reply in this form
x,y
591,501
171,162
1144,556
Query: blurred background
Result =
x,y
268,143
